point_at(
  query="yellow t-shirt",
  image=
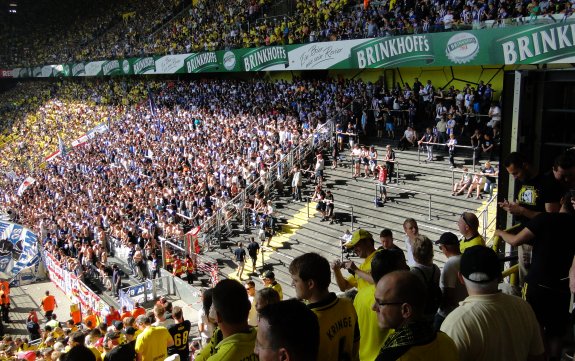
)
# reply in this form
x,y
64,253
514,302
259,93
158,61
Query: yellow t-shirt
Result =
x,y
366,267
338,329
475,241
236,347
372,337
152,343
441,349
276,286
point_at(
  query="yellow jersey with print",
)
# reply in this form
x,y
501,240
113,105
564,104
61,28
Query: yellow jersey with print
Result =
x,y
338,328
466,243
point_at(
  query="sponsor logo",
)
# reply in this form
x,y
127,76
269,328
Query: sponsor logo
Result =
x,y
391,51
230,60
111,67
540,45
78,69
126,66
143,65
262,58
5,73
200,62
461,48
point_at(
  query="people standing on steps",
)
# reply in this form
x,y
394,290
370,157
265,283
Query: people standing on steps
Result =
x,y
240,258
296,183
427,138
253,250
451,145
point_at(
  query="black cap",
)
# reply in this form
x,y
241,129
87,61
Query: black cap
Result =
x,y
129,331
447,238
118,325
270,275
112,335
480,264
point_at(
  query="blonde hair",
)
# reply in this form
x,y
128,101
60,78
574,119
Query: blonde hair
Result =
x,y
423,250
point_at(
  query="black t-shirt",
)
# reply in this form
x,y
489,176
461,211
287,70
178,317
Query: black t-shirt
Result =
x,y
534,193
79,353
553,249
125,352
240,254
253,248
180,333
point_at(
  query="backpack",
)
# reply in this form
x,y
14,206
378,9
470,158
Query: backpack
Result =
x,y
434,294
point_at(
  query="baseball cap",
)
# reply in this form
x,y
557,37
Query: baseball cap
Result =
x,y
447,238
118,325
270,275
112,335
129,331
480,264
358,236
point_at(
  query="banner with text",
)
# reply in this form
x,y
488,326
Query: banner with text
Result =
x,y
18,250
528,44
73,287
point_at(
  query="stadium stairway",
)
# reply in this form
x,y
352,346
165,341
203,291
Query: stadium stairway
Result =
x,y
300,234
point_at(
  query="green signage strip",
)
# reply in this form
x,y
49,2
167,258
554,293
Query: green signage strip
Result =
x,y
526,44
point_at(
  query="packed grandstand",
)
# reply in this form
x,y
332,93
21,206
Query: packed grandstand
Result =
x,y
118,185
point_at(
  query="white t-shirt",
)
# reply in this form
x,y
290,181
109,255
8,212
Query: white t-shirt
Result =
x,y
449,279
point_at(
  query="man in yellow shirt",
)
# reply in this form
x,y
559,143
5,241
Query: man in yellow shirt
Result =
x,y
468,225
152,344
339,330
371,336
232,306
270,281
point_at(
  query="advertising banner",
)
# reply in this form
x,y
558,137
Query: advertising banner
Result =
x,y
527,44
73,287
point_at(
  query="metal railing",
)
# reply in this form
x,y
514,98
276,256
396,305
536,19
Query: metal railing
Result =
x,y
379,186
485,214
220,223
390,176
420,147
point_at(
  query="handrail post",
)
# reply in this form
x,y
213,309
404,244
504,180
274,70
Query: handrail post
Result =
x,y
473,162
163,247
307,202
452,180
396,173
376,194
429,207
352,219
418,154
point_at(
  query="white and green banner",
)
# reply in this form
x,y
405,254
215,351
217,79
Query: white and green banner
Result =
x,y
528,44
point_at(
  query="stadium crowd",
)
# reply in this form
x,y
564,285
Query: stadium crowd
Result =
x,y
188,146
117,30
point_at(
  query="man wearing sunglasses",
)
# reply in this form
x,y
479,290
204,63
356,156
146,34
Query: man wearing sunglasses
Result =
x,y
468,225
399,306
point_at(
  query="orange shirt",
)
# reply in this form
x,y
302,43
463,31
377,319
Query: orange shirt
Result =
x,y
125,314
111,317
76,317
138,311
48,303
93,319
